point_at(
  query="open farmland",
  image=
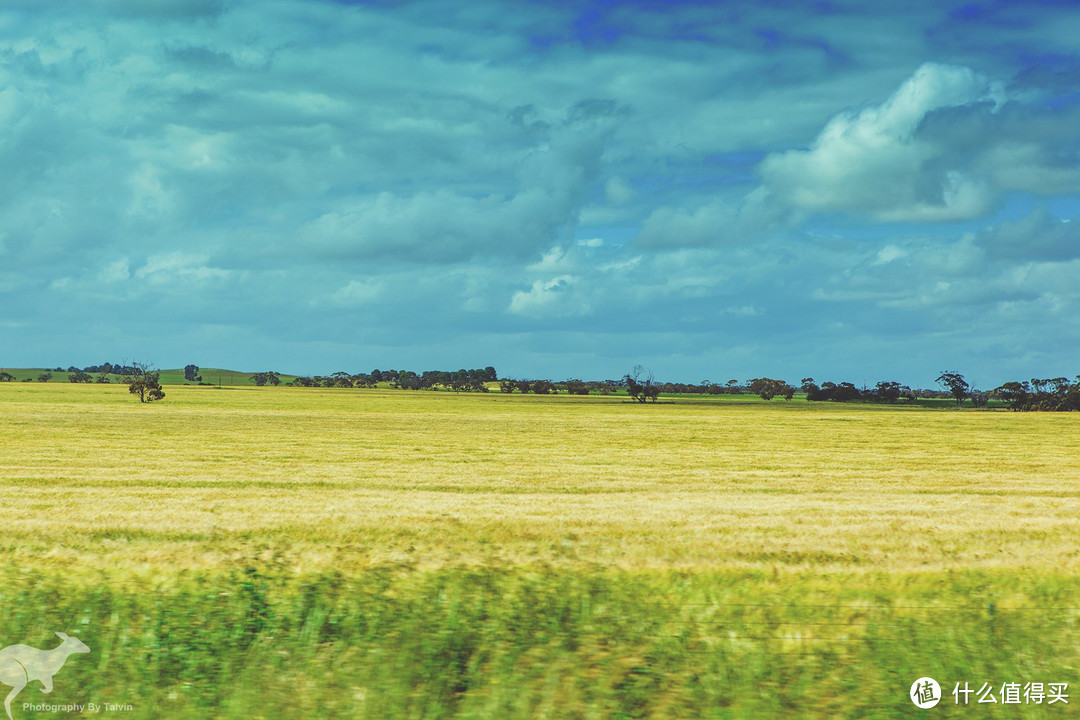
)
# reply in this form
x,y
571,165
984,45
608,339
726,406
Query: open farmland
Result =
x,y
288,552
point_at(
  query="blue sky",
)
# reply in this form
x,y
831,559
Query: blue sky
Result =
x,y
844,190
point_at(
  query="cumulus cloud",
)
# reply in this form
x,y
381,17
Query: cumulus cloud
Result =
x,y
946,146
874,161
556,297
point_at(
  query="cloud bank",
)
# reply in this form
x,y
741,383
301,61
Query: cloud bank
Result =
x,y
713,190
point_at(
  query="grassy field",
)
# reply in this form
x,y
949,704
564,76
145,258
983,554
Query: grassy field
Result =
x,y
280,552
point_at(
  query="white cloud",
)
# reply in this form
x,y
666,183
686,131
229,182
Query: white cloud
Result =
x,y
358,292
115,271
556,297
742,311
888,254
179,267
149,198
873,161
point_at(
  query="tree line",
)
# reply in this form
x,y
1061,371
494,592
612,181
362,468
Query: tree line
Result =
x,y
474,380
1048,395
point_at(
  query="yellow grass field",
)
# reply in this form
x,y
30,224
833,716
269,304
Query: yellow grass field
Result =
x,y
798,536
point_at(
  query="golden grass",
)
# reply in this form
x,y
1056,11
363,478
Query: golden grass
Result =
x,y
93,482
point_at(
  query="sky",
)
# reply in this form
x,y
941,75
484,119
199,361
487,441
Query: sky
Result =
x,y
847,191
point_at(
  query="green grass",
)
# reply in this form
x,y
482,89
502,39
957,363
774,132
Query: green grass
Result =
x,y
295,552
258,641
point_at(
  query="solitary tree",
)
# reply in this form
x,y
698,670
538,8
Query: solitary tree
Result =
x,y
44,377
191,373
144,382
640,385
954,381
6,377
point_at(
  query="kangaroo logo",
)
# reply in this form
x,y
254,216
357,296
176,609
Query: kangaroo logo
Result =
x,y
22,664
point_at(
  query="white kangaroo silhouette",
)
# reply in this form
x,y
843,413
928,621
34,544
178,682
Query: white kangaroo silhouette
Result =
x,y
22,664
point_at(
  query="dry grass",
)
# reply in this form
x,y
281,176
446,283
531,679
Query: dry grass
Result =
x,y
347,479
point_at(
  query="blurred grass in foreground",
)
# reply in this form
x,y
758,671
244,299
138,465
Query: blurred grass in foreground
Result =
x,y
393,642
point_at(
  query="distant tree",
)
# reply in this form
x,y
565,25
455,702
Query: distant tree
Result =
x,y
814,393
523,386
144,382
6,377
544,387
80,377
507,386
363,380
191,373
1050,395
102,378
842,392
640,385
955,383
266,378
408,380
45,377
104,368
490,375
1015,394
341,379
608,387
885,391
576,387
767,388
732,386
